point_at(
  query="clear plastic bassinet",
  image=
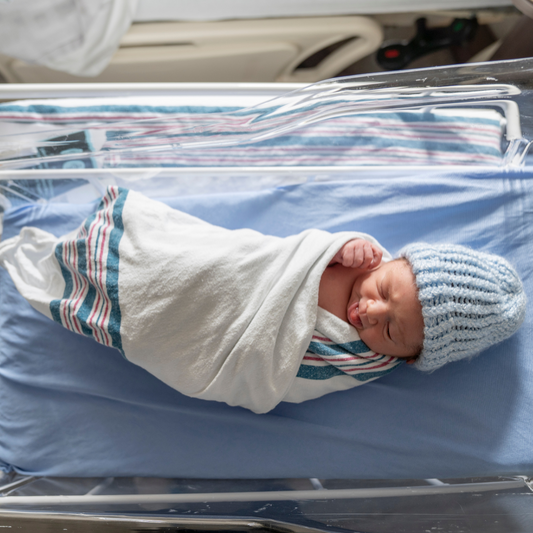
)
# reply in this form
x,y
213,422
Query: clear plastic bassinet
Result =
x,y
48,163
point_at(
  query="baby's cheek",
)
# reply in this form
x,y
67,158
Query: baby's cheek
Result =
x,y
368,339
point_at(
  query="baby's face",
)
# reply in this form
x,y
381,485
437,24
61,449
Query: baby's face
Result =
x,y
385,310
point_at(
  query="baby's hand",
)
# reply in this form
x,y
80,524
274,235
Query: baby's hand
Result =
x,y
358,254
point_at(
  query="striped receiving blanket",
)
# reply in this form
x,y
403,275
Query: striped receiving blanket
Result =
x,y
417,137
336,360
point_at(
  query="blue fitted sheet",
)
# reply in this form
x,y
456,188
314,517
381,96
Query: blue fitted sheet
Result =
x,y
70,407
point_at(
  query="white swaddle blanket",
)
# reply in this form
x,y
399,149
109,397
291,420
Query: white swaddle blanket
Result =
x,y
217,314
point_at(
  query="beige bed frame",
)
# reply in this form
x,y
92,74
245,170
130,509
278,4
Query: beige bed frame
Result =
x,y
264,50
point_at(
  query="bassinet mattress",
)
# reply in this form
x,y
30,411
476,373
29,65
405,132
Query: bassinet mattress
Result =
x,y
447,136
70,407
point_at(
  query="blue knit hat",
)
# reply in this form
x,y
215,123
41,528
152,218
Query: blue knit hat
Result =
x,y
470,301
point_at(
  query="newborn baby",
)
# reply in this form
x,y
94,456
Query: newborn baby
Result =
x,y
232,315
379,300
432,305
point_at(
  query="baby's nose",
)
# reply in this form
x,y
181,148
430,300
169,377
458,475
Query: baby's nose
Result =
x,y
376,311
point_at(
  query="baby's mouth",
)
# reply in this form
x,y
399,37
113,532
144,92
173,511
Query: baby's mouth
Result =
x,y
353,316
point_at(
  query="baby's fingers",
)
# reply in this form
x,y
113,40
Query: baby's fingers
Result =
x,y
377,255
348,254
367,255
357,254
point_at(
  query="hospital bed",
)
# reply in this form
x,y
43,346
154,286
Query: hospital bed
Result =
x,y
209,41
87,438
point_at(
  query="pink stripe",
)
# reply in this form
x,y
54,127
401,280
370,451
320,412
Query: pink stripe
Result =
x,y
340,358
91,277
352,158
356,369
99,324
79,284
198,118
448,136
94,271
71,260
325,339
366,369
64,304
355,156
107,229
373,356
143,128
303,150
99,334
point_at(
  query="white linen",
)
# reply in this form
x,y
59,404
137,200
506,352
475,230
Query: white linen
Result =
x,y
337,344
216,314
74,36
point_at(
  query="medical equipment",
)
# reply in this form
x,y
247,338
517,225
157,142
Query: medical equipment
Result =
x,y
472,420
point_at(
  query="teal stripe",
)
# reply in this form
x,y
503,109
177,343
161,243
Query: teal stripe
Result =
x,y
113,260
112,266
350,348
320,373
67,277
86,306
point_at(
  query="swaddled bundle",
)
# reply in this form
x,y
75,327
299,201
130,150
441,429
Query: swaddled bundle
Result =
x,y
216,314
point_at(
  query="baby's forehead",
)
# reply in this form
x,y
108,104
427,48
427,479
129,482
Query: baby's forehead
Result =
x,y
404,293
402,270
